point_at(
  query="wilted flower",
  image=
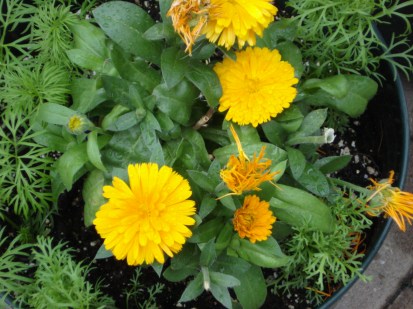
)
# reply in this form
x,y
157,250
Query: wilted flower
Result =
x,y
143,221
392,201
242,174
188,19
256,86
254,219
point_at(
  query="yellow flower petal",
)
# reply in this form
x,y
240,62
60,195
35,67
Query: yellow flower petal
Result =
x,y
142,221
256,87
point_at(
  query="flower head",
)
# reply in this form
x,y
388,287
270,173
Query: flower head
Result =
x,y
254,219
143,221
256,86
242,174
188,19
392,201
76,124
229,20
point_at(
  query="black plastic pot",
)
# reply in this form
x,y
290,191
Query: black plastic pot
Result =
x,y
387,122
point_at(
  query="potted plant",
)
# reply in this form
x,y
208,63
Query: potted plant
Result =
x,y
195,151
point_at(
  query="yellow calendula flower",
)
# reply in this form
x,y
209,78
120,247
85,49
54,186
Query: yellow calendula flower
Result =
x,y
242,174
392,201
254,219
76,124
256,86
241,20
147,218
188,19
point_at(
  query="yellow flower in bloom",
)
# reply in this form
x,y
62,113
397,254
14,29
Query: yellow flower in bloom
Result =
x,y
392,201
76,124
143,221
188,19
254,219
255,87
238,19
242,174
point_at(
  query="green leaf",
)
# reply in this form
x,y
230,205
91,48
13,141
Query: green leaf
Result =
x,y
89,38
223,280
282,30
221,294
314,181
86,60
252,291
93,149
92,195
173,66
265,253
292,54
332,164
70,163
102,253
208,254
123,92
206,80
224,237
193,289
337,86
135,71
176,102
208,204
86,96
207,231
312,122
202,180
274,132
297,162
298,207
360,90
125,24
55,113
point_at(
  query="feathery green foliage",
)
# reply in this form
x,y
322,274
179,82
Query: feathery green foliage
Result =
x,y
15,32
136,291
339,36
12,270
320,260
61,282
24,168
29,85
51,32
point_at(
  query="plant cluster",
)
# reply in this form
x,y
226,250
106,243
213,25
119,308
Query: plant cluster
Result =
x,y
197,138
342,37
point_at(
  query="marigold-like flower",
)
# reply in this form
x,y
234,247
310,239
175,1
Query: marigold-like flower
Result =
x,y
392,201
188,19
76,124
143,221
242,174
254,219
229,20
256,86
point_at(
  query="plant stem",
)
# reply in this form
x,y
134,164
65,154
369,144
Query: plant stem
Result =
x,y
349,185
